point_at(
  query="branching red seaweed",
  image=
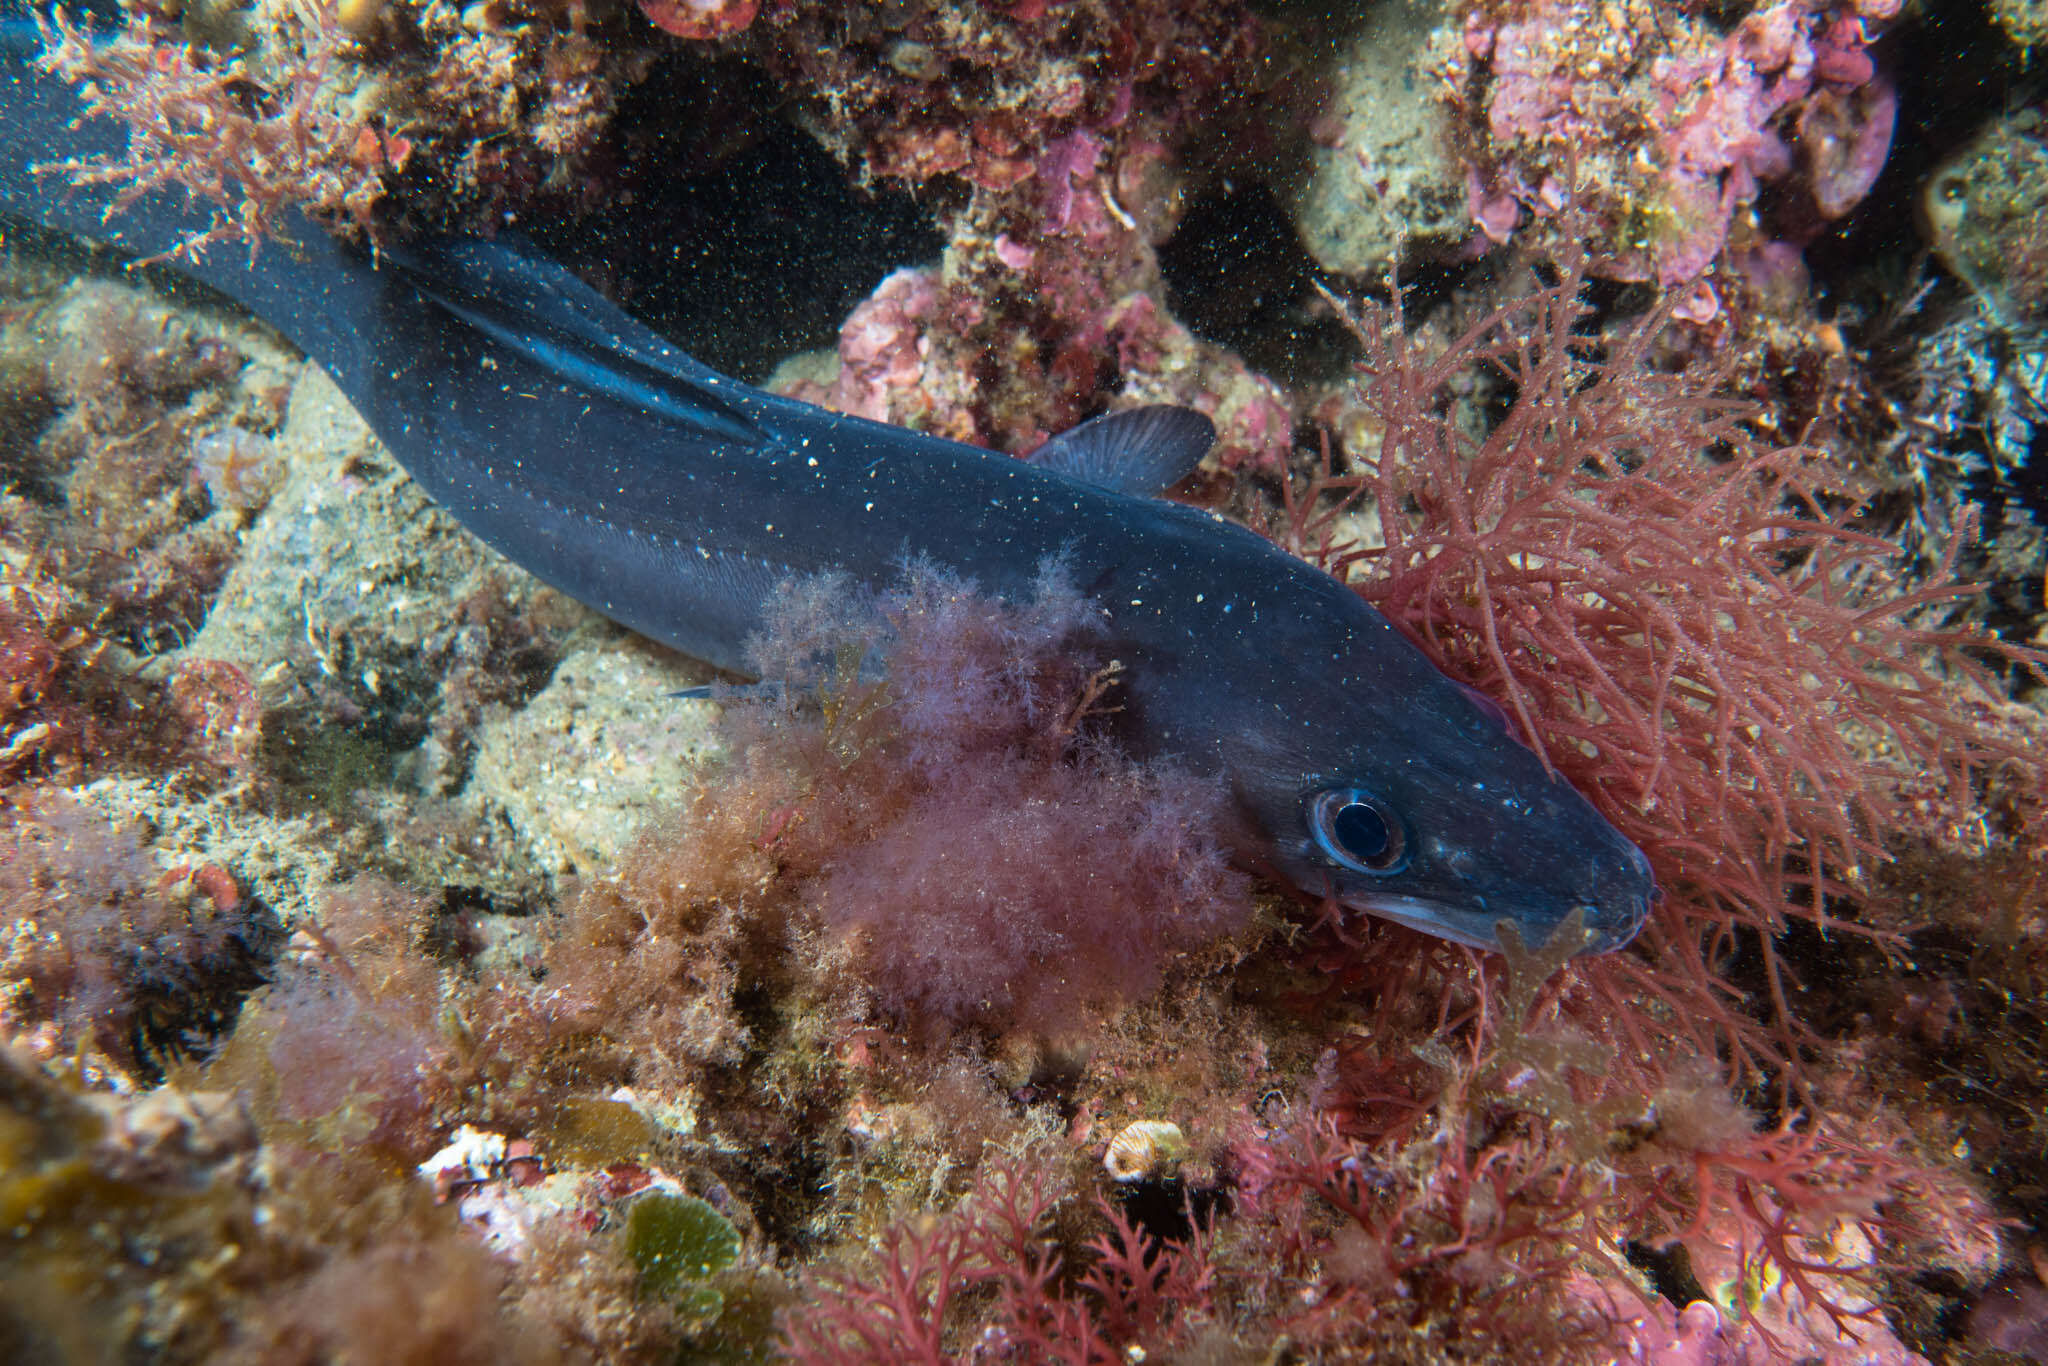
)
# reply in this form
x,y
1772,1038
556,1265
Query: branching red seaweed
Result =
x,y
1688,623
249,146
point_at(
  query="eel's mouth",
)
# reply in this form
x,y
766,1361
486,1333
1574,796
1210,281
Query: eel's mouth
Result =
x,y
1610,924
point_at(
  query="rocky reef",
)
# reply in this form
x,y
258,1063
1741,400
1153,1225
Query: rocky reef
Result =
x,y
393,967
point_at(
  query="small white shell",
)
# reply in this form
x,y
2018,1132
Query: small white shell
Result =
x,y
1149,1150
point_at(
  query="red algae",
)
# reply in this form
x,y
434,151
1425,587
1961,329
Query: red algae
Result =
x,y
996,1243
927,790
110,958
980,902
1688,624
251,168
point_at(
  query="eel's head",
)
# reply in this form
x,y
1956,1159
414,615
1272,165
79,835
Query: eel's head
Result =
x,y
1408,796
1357,769
1459,862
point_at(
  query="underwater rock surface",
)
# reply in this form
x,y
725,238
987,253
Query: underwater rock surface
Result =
x,y
1386,177
1984,209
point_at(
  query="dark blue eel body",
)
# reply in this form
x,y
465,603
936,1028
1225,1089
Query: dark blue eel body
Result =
x,y
676,500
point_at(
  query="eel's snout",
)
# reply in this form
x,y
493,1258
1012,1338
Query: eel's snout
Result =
x,y
1622,894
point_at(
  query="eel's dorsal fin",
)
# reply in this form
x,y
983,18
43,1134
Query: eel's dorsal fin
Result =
x,y
1139,450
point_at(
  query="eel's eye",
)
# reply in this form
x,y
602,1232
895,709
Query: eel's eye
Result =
x,y
1358,830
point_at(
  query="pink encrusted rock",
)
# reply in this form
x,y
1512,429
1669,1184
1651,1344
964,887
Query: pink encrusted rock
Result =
x,y
1697,1337
893,363
1844,63
1496,214
1531,90
1791,96
1073,157
881,346
700,18
1771,40
1652,1333
914,352
1699,304
1012,253
1479,36
1163,362
1844,139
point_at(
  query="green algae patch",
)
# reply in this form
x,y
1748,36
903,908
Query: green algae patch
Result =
x,y
677,1242
584,1131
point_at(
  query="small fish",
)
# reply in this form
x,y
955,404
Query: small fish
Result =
x,y
676,500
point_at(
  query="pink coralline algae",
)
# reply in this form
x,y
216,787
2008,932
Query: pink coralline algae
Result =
x,y
1053,129
1162,362
1811,1299
1669,131
700,18
1073,156
906,357
1703,1335
887,368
